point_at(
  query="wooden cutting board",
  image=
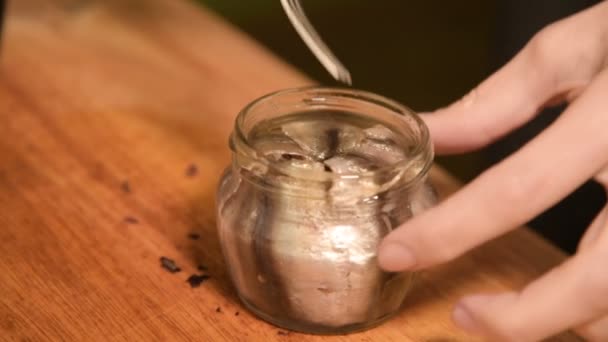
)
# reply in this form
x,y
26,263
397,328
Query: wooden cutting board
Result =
x,y
114,118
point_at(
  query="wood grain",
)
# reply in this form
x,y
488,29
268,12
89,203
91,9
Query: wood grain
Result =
x,y
104,106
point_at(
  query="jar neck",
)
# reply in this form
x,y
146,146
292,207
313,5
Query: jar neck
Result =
x,y
256,167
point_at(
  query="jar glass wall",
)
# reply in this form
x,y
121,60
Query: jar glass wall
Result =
x,y
318,177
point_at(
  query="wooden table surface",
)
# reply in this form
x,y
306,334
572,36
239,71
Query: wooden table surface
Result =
x,y
114,118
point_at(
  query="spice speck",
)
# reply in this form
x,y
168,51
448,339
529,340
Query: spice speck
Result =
x,y
194,236
125,187
196,280
192,170
169,265
130,220
218,309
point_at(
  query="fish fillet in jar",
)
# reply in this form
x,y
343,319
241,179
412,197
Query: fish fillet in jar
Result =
x,y
322,260
325,259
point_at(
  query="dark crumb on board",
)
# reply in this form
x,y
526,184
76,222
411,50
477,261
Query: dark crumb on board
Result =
x,y
282,333
292,156
196,280
194,236
237,313
169,265
125,187
130,220
218,309
192,170
202,268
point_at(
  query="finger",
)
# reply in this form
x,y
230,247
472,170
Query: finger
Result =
x,y
570,295
596,226
594,230
503,102
596,331
602,177
543,72
509,194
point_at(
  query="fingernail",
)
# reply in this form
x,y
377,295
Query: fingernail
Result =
x,y
396,257
462,317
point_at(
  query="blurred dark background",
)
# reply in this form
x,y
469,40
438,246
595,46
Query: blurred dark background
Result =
x,y
426,54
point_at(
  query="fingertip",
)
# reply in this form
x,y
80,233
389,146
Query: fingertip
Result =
x,y
395,257
427,117
444,130
479,314
463,318
466,312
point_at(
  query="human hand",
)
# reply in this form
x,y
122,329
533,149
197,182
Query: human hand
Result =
x,y
566,61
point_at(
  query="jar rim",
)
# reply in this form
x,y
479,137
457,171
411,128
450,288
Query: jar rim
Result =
x,y
422,151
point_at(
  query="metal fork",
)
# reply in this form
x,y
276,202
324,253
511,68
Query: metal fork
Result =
x,y
311,38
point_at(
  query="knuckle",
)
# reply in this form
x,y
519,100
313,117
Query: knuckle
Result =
x,y
545,45
573,63
544,55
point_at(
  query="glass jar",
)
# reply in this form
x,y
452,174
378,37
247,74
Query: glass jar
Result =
x,y
299,227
